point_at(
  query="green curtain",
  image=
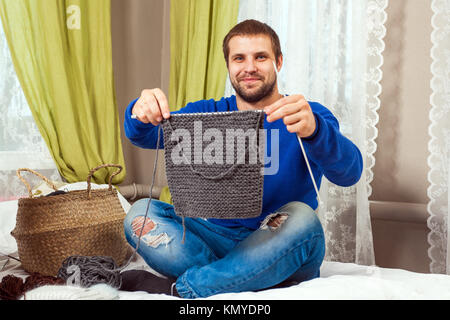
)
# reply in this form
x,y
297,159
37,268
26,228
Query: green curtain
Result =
x,y
197,66
62,54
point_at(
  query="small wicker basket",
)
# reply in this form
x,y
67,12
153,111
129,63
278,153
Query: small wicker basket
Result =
x,y
83,222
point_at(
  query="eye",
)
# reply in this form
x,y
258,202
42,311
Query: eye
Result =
x,y
261,57
238,59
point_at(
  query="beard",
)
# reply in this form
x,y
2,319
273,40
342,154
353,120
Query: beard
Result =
x,y
266,89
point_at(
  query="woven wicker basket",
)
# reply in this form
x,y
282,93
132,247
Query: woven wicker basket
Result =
x,y
83,222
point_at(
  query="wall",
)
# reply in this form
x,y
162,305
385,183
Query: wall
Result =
x,y
141,60
400,172
401,159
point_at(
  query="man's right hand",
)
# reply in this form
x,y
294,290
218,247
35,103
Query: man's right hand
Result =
x,y
151,107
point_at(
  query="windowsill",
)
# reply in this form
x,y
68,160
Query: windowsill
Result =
x,y
399,211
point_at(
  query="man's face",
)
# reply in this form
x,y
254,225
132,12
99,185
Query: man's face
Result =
x,y
250,66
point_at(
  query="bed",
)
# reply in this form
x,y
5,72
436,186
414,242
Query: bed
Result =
x,y
338,281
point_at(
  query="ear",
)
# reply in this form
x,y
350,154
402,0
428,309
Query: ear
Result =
x,y
280,62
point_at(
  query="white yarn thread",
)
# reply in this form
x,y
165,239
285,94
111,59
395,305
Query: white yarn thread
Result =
x,y
303,149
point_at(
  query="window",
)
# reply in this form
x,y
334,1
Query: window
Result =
x,y
21,144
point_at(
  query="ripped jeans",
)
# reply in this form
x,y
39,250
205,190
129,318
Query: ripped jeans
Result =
x,y
216,259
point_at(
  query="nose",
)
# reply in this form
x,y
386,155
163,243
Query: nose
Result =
x,y
250,66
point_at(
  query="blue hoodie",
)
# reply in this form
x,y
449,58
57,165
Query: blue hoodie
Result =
x,y
328,151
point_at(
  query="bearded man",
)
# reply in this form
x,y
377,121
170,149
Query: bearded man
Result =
x,y
235,255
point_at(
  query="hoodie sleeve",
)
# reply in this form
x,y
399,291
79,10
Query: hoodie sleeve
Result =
x,y
337,156
144,135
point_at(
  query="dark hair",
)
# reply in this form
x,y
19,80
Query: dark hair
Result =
x,y
252,28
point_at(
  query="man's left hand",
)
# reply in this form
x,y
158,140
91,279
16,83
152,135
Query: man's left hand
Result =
x,y
296,114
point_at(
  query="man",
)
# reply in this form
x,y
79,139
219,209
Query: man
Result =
x,y
286,242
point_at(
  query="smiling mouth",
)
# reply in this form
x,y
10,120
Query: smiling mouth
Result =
x,y
250,80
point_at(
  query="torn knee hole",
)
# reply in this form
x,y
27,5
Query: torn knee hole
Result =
x,y
155,241
152,240
274,221
138,224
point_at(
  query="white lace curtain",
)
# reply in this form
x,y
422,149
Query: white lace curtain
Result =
x,y
439,144
332,55
21,144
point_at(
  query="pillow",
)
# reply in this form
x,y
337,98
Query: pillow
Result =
x,y
8,212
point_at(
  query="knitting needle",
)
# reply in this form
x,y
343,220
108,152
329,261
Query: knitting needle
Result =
x,y
4,265
7,255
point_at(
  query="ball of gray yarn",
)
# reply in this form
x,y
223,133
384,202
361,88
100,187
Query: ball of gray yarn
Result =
x,y
87,271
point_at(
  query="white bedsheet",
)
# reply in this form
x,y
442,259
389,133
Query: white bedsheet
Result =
x,y
343,281
338,281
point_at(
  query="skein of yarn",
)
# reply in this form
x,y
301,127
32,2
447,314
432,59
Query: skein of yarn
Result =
x,y
12,287
87,271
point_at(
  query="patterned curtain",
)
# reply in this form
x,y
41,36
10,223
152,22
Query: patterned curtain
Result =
x,y
439,144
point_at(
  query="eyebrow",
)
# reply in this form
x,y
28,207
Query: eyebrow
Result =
x,y
256,54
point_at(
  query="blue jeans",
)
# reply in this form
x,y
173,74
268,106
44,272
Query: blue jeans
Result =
x,y
216,259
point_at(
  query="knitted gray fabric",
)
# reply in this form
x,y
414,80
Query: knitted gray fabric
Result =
x,y
230,188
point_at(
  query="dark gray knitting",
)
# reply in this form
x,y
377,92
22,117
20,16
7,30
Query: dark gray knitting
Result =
x,y
223,191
